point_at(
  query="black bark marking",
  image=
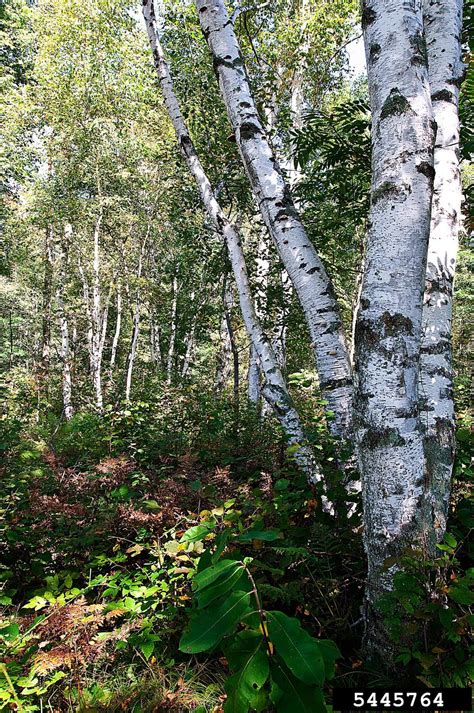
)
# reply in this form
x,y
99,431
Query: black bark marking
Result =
x,y
249,130
387,189
374,52
418,42
444,95
426,169
368,15
380,437
395,324
394,104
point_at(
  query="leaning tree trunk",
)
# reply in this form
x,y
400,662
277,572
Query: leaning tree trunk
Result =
x,y
275,389
388,327
303,264
443,24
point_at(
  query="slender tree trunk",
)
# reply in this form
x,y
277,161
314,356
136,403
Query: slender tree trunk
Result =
x,y
96,316
228,299
155,340
136,324
47,306
275,389
64,350
225,347
118,327
304,266
388,328
172,342
443,24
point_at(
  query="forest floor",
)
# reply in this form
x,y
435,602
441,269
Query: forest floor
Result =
x,y
101,551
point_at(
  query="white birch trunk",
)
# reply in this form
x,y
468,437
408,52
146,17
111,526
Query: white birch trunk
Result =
x,y
64,349
171,346
136,324
155,341
303,264
388,328
275,389
96,316
443,24
253,377
118,327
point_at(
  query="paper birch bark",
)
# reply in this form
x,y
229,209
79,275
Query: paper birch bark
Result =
x,y
275,389
443,25
96,318
388,326
118,327
64,349
135,323
305,269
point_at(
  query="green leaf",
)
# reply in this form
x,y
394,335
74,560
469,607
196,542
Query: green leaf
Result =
x,y
10,632
266,535
330,654
297,648
450,540
207,628
198,532
210,574
247,652
461,595
152,505
223,585
147,647
290,695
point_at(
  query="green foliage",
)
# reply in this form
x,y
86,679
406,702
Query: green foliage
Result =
x,y
269,654
430,615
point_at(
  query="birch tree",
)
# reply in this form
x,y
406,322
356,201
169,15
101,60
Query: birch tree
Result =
x,y
275,389
389,320
305,269
64,350
443,25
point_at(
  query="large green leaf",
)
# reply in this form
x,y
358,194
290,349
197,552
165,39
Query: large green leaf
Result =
x,y
290,695
208,627
297,648
210,574
330,654
231,579
244,689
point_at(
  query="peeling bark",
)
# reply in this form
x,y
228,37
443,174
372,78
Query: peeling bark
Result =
x,y
388,325
443,25
297,253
